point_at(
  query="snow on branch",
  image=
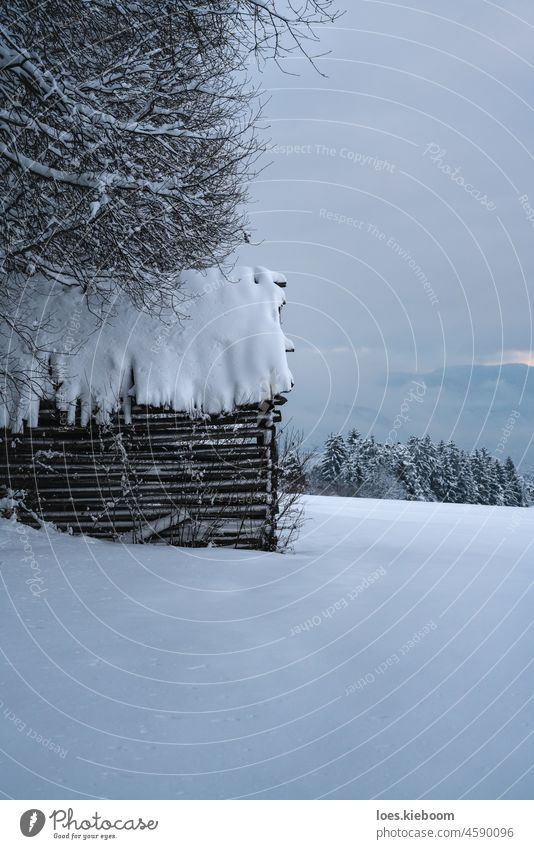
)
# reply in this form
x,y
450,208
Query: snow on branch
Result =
x,y
128,135
127,138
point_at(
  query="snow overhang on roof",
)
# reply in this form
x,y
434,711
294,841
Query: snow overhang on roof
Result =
x,y
228,351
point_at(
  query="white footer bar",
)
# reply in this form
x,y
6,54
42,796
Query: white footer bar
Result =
x,y
270,824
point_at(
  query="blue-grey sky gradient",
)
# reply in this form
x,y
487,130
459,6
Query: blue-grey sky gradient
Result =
x,y
400,204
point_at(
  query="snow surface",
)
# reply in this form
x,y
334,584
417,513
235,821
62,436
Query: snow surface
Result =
x,y
389,656
228,350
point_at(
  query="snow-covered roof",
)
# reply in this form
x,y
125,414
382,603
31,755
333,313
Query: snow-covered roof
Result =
x,y
229,350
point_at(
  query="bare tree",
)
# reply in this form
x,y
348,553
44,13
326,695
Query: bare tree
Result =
x,y
294,468
127,133
126,140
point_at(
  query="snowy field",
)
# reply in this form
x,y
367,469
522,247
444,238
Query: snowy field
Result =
x,y
389,656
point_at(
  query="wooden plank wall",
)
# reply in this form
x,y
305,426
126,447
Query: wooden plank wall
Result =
x,y
163,478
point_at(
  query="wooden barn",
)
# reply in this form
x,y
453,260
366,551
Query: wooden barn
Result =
x,y
141,427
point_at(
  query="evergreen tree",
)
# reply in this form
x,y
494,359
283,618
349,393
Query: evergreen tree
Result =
x,y
442,480
454,471
499,483
380,475
334,459
483,473
408,475
514,489
418,471
369,451
354,440
467,491
352,473
292,473
528,490
423,453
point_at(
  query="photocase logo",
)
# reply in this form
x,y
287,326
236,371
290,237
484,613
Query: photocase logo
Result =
x,y
32,822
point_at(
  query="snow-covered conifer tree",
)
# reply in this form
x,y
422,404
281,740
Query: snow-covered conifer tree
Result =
x,y
442,477
333,459
379,467
514,488
467,490
353,472
484,473
454,464
408,475
423,453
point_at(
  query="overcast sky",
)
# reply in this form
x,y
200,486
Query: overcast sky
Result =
x,y
395,203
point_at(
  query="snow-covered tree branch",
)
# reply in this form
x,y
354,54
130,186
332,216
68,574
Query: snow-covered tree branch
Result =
x,y
126,140
127,133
